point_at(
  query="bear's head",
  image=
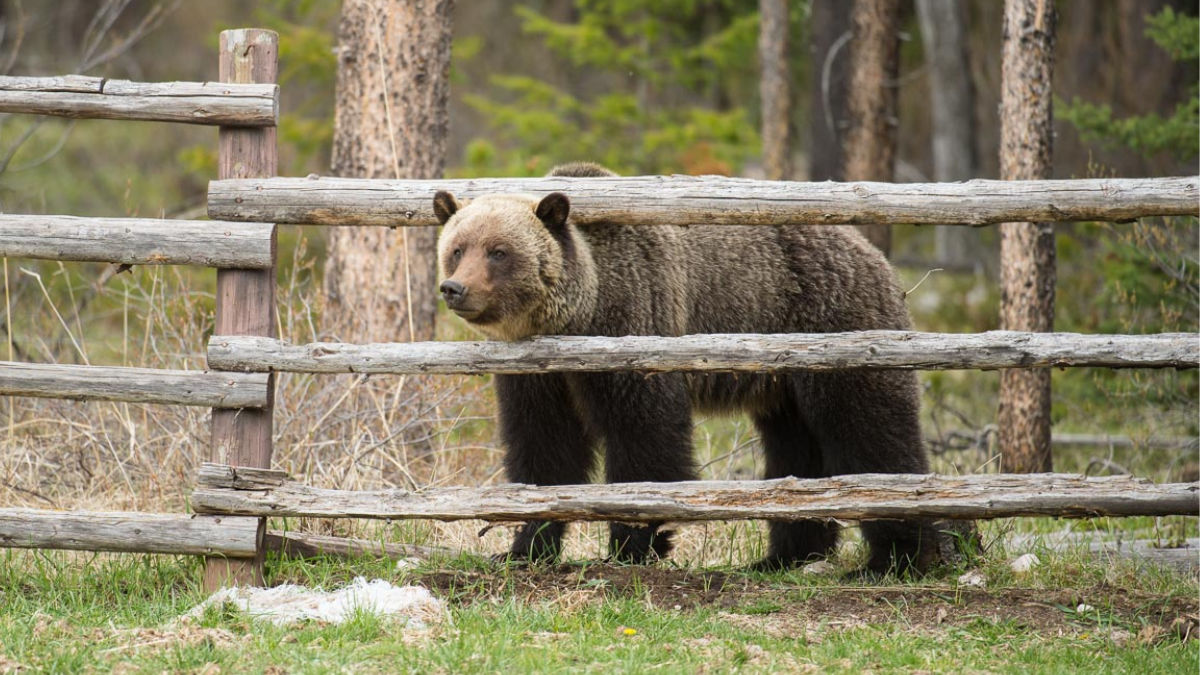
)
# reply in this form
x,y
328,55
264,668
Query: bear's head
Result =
x,y
506,261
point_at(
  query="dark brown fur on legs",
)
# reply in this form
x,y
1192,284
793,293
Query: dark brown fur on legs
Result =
x,y
868,422
517,266
791,450
646,424
555,448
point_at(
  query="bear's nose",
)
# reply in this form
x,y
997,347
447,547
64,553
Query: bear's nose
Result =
x,y
453,291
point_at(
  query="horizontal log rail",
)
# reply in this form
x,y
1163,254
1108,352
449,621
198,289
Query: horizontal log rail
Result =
x,y
309,545
713,200
129,532
138,241
264,492
134,385
1122,441
79,96
743,352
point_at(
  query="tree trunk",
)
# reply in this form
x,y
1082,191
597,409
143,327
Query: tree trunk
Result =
x,y
829,26
870,145
775,88
952,104
1026,249
390,122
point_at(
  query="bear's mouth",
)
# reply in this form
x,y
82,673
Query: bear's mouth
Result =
x,y
467,314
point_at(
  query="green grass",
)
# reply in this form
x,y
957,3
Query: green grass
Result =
x,y
67,612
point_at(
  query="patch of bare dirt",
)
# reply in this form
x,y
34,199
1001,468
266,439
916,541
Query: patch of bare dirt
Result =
x,y
661,586
783,609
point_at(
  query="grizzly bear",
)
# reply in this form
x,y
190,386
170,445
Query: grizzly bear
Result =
x,y
517,266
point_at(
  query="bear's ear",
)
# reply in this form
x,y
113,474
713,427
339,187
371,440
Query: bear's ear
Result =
x,y
444,206
553,210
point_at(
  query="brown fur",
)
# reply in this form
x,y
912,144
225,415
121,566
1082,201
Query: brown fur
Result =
x,y
557,278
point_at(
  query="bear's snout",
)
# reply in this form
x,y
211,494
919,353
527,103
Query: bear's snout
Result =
x,y
454,292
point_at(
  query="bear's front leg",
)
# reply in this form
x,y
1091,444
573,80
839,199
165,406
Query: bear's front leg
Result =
x,y
646,424
546,443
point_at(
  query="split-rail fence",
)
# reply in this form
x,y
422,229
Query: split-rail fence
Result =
x,y
236,493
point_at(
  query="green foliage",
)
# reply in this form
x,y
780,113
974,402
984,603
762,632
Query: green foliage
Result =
x,y
1176,33
662,44
667,86
307,73
1150,134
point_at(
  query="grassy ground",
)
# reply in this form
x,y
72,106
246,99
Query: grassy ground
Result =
x,y
64,612
697,612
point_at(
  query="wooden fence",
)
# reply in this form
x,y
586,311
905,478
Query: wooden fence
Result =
x,y
239,490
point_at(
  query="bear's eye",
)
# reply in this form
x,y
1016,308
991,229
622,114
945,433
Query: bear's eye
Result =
x,y
457,253
497,255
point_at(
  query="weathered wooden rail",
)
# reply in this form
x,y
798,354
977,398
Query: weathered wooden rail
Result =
x,y
134,385
130,532
714,200
79,96
737,352
264,492
138,241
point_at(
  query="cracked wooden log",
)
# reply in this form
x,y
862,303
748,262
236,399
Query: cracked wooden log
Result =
x,y
129,532
740,352
265,492
133,385
713,200
138,241
79,96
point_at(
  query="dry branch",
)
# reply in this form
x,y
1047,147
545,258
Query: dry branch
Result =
x,y
78,96
137,241
686,200
135,385
743,352
265,492
307,545
129,532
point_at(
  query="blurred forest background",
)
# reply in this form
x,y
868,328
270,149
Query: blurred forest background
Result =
x,y
663,87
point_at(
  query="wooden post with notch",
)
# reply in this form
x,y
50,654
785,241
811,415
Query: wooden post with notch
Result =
x,y
245,298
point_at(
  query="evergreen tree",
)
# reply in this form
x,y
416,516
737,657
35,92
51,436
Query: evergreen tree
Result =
x,y
675,91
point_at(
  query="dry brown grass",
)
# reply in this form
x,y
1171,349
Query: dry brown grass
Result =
x,y
344,431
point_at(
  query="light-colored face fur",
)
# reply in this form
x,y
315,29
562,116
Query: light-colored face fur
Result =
x,y
509,264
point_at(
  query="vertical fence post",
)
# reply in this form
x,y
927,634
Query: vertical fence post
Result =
x,y
245,298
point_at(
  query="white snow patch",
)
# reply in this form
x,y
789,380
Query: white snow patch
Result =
x,y
414,606
973,578
819,567
1024,563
